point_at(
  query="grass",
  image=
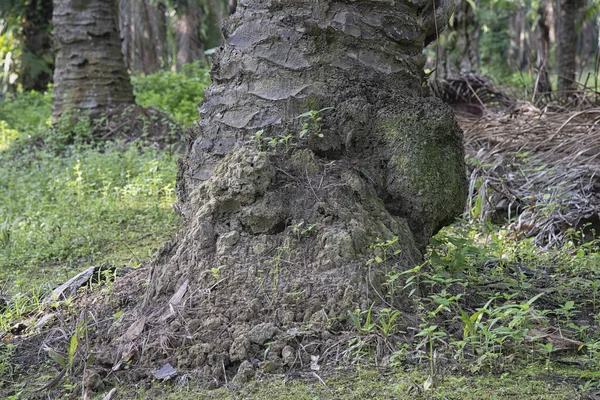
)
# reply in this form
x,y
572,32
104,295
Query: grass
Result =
x,y
527,383
63,213
65,207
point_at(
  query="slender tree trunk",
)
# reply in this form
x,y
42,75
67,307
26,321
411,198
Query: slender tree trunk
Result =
x,y
567,47
89,73
545,22
37,59
187,24
143,34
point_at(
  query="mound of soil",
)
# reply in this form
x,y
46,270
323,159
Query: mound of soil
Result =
x,y
133,122
265,277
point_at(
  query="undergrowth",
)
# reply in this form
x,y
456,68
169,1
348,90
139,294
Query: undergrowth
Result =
x,y
487,301
68,202
177,94
57,213
484,303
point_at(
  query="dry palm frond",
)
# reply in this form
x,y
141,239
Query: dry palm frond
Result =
x,y
539,172
469,89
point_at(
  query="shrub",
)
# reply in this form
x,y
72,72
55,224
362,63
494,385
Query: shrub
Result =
x,y
176,94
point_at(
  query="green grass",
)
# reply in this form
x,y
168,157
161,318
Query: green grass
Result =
x,y
64,207
62,213
526,383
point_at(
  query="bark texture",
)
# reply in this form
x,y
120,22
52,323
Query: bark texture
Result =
x,y
567,47
362,59
90,73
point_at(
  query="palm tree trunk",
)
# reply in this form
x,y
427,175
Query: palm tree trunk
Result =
x,y
567,47
364,59
89,73
188,21
143,29
377,162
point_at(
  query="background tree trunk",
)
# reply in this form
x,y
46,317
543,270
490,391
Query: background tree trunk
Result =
x,y
37,58
567,47
213,21
187,23
89,73
143,28
231,6
545,23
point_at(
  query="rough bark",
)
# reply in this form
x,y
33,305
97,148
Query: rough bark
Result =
x,y
90,73
567,47
364,60
37,59
143,29
275,240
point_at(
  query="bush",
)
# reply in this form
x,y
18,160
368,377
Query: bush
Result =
x,y
176,94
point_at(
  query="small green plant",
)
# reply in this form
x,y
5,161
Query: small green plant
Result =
x,y
383,247
215,272
312,122
387,317
546,349
431,336
361,319
301,231
567,310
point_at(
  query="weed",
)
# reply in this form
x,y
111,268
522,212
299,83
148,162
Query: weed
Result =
x,y
301,231
312,122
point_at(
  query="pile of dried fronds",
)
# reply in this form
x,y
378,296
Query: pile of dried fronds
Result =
x,y
469,90
537,171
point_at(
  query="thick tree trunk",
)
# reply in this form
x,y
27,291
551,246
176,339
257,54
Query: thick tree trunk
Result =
x,y
143,29
90,73
365,60
567,47
37,58
277,237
